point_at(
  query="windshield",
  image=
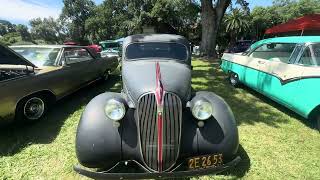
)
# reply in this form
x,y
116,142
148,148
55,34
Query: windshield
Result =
x,y
274,51
157,50
106,46
39,56
311,55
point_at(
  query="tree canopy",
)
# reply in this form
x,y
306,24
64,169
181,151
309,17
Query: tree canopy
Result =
x,y
204,22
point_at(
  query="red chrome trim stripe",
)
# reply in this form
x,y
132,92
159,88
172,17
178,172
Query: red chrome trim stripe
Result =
x,y
160,124
159,98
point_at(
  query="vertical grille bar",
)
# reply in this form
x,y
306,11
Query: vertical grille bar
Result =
x,y
172,119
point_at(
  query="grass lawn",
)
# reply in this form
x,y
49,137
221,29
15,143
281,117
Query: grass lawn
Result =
x,y
275,143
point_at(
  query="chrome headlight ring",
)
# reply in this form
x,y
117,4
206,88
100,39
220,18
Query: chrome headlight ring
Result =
x,y
114,110
202,109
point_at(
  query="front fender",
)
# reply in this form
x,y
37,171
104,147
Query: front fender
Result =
x,y
98,141
220,132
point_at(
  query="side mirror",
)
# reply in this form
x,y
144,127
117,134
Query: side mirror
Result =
x,y
120,53
271,46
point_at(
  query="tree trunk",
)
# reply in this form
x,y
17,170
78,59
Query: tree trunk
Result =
x,y
208,30
233,39
211,16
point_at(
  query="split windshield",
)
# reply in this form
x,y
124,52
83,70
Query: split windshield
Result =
x,y
153,50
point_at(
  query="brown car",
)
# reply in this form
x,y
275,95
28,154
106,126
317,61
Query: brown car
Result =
x,y
32,77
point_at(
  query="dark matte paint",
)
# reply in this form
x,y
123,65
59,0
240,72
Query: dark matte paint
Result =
x,y
101,145
165,175
139,77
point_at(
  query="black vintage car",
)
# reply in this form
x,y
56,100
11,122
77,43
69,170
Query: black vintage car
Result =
x,y
157,124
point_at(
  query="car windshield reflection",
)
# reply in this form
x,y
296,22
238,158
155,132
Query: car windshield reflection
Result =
x,y
39,56
149,51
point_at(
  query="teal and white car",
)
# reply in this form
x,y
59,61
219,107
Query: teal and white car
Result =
x,y
286,69
110,48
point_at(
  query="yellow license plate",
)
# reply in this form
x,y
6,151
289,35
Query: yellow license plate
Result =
x,y
205,161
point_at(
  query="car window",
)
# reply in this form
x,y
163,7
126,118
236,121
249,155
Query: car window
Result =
x,y
295,53
106,46
39,56
247,51
274,51
306,58
311,55
75,55
316,53
152,50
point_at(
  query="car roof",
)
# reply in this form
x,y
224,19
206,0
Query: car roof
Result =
x,y
289,39
155,38
46,46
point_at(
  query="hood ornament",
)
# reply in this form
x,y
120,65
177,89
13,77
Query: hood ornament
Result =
x,y
159,86
159,98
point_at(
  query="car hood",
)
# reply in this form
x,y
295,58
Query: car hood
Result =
x,y
47,69
139,77
14,58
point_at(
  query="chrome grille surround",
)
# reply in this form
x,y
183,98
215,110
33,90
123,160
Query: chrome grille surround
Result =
x,y
147,112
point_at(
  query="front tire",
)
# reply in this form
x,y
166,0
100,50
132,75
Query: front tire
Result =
x,y
234,79
31,109
317,122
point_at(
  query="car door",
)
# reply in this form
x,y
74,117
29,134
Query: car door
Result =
x,y
77,66
277,76
309,83
256,61
96,66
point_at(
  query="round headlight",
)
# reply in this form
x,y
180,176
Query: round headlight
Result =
x,y
115,110
202,110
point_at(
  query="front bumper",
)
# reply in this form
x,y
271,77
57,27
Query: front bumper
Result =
x,y
196,172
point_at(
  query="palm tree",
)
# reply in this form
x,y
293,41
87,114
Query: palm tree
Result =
x,y
236,23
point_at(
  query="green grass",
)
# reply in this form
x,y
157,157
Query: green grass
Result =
x,y
275,143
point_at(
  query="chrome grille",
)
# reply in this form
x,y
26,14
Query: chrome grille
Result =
x,y
172,117
148,129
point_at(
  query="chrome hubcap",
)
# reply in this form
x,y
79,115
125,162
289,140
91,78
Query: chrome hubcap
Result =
x,y
34,108
233,79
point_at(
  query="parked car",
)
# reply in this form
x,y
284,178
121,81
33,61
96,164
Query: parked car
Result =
x,y
240,46
32,77
285,69
157,124
196,50
72,43
95,48
110,48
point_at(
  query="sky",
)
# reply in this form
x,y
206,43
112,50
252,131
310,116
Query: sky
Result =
x,y
21,11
